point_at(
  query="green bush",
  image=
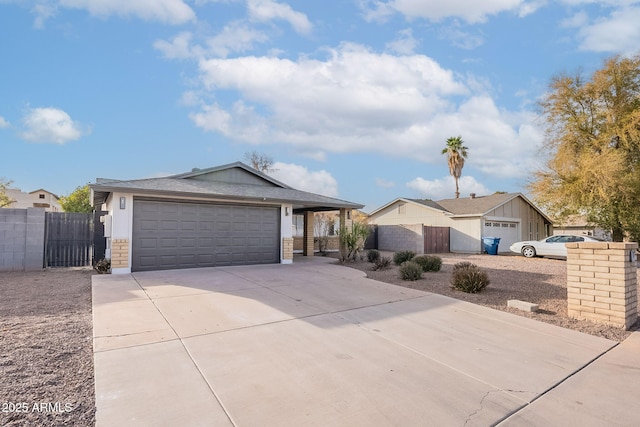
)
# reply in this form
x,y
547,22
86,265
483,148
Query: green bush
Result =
x,y
402,256
373,255
410,270
469,278
382,263
428,262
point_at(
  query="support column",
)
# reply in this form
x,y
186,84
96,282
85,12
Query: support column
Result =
x,y
307,240
346,222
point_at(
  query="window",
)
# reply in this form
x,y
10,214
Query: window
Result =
x,y
512,226
402,209
41,196
505,225
487,224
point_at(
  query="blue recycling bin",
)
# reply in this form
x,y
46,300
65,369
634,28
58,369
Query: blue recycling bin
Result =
x,y
491,245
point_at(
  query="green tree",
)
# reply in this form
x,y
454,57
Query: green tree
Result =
x,y
592,147
4,199
77,201
456,154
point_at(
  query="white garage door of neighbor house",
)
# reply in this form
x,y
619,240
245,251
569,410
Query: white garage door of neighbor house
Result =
x,y
506,231
170,235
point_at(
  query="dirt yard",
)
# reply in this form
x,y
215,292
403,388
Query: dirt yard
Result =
x,y
46,348
537,280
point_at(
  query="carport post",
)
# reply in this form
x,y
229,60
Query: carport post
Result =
x,y
308,238
347,222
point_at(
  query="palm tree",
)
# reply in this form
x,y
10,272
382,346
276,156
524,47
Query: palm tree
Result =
x,y
456,153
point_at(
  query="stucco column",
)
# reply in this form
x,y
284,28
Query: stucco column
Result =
x,y
307,239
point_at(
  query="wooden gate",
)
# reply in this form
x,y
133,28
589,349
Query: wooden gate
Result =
x,y
68,239
436,240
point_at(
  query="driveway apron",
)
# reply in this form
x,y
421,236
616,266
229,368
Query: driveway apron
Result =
x,y
318,344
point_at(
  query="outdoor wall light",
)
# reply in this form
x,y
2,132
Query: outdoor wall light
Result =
x,y
286,211
123,202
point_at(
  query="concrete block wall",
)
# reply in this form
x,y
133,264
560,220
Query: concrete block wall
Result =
x,y
401,238
21,239
602,282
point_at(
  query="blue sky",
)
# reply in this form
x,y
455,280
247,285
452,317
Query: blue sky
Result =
x,y
352,98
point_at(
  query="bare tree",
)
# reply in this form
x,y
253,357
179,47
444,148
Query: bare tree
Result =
x,y
259,161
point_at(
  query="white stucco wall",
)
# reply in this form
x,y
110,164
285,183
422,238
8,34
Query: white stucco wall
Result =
x,y
286,228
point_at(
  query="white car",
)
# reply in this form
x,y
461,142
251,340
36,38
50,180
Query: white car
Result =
x,y
551,246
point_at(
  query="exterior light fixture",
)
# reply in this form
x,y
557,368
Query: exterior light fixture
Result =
x,y
123,202
286,211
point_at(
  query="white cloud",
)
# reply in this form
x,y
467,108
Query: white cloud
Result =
x,y
357,100
179,47
3,123
50,125
437,10
267,10
405,44
301,178
235,37
167,11
619,32
445,188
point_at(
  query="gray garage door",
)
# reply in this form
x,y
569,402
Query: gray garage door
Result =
x,y
168,235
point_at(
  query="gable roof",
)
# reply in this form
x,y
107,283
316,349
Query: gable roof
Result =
x,y
467,206
232,182
479,205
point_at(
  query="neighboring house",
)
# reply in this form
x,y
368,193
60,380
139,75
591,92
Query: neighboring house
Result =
x,y
405,223
579,225
35,199
225,215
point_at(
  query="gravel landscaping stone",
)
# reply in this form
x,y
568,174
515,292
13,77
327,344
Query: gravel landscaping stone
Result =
x,y
46,348
541,281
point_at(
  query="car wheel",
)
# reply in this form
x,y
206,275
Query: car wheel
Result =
x,y
529,251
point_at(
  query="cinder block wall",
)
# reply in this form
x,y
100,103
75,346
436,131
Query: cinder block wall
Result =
x,y
602,282
401,238
21,239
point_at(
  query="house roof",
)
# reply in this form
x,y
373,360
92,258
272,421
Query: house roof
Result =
x,y
467,206
233,182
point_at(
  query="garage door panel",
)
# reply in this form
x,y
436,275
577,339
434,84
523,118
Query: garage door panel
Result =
x,y
183,235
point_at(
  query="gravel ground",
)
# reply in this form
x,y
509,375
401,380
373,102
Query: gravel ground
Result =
x,y
46,348
537,280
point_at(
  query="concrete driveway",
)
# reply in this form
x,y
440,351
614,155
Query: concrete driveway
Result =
x,y
319,344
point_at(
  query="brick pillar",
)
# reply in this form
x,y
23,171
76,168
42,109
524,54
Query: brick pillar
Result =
x,y
287,249
307,240
120,253
602,282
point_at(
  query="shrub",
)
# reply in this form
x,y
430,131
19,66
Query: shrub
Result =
x,y
382,263
373,255
469,278
410,270
402,256
428,262
103,266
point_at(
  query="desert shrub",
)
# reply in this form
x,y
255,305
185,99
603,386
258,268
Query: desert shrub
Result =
x,y
469,278
373,255
402,256
410,270
428,262
382,263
